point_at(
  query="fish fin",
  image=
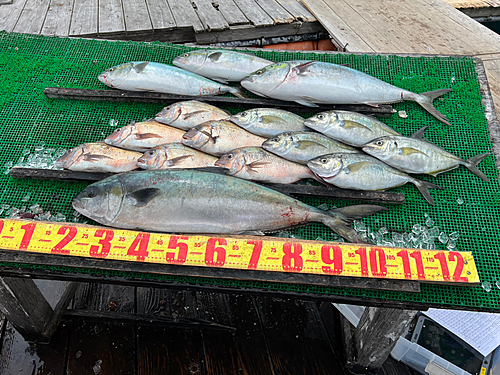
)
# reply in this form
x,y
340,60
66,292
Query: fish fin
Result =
x,y
472,163
304,145
215,56
255,164
302,68
425,100
239,93
307,102
410,150
147,136
254,233
423,187
140,198
179,159
358,211
95,157
193,113
354,125
215,169
140,88
139,68
419,134
223,81
354,167
210,136
346,65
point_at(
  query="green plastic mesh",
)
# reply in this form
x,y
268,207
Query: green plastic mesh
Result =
x,y
467,205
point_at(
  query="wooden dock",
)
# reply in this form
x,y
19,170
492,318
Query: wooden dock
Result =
x,y
200,21
480,10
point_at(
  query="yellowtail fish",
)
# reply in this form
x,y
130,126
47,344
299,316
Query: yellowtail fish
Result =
x,y
268,122
98,157
141,136
185,115
219,137
175,155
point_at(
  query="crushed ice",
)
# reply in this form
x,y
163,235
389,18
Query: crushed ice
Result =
x,y
40,158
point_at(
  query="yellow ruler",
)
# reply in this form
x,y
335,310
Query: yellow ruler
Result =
x,y
237,252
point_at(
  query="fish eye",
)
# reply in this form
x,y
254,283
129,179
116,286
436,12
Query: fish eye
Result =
x,y
151,152
323,160
259,72
321,117
111,69
91,194
274,139
229,156
379,143
243,113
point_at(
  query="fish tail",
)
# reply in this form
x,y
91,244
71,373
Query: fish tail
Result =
x,y
238,92
341,219
423,187
472,163
425,99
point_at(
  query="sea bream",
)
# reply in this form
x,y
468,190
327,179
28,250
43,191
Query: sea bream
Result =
x,y
220,65
141,136
175,155
185,115
301,147
190,201
416,155
98,157
363,172
156,77
311,82
268,122
352,128
219,137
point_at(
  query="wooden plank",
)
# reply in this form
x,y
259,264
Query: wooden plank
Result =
x,y
111,17
230,11
84,18
210,18
297,10
136,16
104,297
9,15
32,17
58,18
343,36
184,15
161,15
275,11
254,13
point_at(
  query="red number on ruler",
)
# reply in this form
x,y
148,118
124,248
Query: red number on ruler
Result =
x,y
328,259
211,250
363,260
139,247
378,268
460,266
441,256
295,255
183,249
58,249
95,252
257,249
403,254
1,226
28,233
417,255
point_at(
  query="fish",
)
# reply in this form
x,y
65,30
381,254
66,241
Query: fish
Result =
x,y
98,157
219,137
416,155
352,128
191,201
141,136
363,172
185,115
257,164
311,82
301,147
175,155
220,65
268,122
156,77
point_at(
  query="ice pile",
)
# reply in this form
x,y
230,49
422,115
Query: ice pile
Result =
x,y
40,157
36,212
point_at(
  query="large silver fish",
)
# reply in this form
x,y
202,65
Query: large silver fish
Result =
x,y
185,115
268,122
301,147
156,77
141,136
219,137
256,164
416,155
349,127
220,65
311,82
188,201
175,155
362,172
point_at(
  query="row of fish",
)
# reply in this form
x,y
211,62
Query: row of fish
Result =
x,y
306,82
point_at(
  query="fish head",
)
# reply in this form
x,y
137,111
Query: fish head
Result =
x,y
199,136
245,118
71,156
191,61
169,114
280,144
381,148
326,166
101,201
324,121
114,76
153,159
267,79
120,135
233,161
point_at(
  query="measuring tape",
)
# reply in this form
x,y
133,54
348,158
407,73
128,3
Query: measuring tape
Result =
x,y
257,253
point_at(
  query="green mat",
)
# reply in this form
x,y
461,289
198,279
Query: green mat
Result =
x,y
469,206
